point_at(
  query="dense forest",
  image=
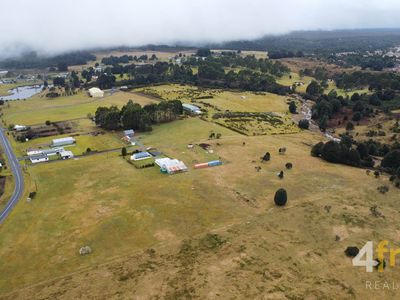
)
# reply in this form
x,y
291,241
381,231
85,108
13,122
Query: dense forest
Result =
x,y
32,61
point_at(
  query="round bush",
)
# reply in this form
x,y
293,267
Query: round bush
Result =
x,y
289,165
351,251
280,197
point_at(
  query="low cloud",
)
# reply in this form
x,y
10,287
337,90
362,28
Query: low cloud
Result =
x,y
51,27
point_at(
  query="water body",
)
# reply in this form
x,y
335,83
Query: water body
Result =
x,y
22,92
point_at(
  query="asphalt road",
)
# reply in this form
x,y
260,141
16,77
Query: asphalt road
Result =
x,y
18,177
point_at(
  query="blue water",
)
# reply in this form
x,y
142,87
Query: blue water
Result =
x,y
22,92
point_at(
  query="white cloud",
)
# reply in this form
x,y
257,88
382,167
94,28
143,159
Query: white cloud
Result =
x,y
53,26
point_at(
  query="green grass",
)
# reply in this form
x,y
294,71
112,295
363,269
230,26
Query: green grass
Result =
x,y
39,109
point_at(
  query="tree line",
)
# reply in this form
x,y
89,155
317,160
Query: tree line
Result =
x,y
134,116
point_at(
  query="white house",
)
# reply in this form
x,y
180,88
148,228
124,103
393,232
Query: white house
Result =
x,y
141,156
96,92
38,158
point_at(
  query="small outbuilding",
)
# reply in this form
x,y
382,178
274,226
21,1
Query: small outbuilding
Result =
x,y
63,142
96,92
192,109
66,154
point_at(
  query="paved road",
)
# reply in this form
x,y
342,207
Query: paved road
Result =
x,y
17,172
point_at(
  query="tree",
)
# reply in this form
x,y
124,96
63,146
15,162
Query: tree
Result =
x,y
349,126
123,151
316,150
304,124
357,116
203,52
292,107
314,89
62,67
323,123
280,198
392,160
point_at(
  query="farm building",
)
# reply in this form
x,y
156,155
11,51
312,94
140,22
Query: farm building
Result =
x,y
63,142
141,156
129,133
48,152
96,92
66,154
38,158
191,109
20,127
171,166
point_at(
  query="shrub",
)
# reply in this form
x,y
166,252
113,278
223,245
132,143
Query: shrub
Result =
x,y
48,123
280,198
292,107
32,195
304,124
289,165
267,157
88,150
123,151
377,174
383,189
352,251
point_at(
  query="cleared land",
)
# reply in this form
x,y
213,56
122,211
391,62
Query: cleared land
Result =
x,y
130,210
245,112
39,109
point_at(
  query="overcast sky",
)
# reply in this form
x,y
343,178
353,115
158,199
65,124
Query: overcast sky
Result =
x,y
54,26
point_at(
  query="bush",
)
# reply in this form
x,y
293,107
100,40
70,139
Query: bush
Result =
x,y
289,165
304,124
32,195
48,123
123,151
351,251
292,107
280,198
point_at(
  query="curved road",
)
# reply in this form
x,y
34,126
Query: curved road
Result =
x,y
17,172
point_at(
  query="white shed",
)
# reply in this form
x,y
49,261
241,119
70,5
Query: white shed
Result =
x,y
96,92
63,142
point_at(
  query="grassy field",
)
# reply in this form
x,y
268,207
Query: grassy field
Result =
x,y
217,101
117,209
39,109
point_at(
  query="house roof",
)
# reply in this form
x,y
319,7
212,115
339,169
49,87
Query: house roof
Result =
x,y
141,155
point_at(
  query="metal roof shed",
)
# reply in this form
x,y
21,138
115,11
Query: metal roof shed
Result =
x,y
63,142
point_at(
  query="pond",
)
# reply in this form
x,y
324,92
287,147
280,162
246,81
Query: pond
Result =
x,y
22,92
